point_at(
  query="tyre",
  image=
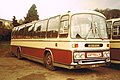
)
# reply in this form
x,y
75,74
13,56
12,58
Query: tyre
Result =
x,y
19,54
48,62
12,54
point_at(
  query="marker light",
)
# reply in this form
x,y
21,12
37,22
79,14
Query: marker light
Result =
x,y
74,45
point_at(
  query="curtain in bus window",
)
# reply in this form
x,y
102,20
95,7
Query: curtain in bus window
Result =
x,y
53,26
17,32
30,30
14,32
116,30
21,32
40,29
26,30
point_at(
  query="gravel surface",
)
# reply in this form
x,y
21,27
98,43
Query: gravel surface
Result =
x,y
13,69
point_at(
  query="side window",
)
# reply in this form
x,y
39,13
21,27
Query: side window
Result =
x,y
14,32
17,32
40,29
53,25
26,31
64,26
30,30
20,32
116,30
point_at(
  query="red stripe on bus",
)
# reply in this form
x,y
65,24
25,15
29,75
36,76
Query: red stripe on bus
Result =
x,y
60,56
13,49
115,54
36,52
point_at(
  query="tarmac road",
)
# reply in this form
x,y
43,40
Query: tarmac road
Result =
x,y
13,69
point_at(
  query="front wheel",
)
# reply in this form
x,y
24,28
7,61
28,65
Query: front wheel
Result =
x,y
49,62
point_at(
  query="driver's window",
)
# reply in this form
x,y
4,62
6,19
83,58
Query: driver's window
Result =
x,y
64,26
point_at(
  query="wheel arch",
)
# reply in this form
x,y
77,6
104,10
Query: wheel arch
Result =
x,y
18,48
48,50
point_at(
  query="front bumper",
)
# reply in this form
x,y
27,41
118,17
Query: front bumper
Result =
x,y
88,65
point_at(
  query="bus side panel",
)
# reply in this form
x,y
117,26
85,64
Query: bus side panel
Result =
x,y
115,54
62,56
13,49
33,52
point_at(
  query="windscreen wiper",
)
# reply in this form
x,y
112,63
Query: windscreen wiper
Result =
x,y
99,34
94,30
88,31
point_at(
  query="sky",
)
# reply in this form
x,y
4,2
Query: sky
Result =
x,y
48,8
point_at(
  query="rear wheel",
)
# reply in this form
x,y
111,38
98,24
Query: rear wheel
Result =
x,y
12,54
19,54
49,61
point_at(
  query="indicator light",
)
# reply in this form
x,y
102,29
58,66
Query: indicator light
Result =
x,y
74,45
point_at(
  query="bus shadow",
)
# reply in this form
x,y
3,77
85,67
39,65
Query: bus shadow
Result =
x,y
64,70
114,66
4,48
76,71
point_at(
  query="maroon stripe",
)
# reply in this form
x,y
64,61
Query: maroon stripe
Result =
x,y
115,54
60,56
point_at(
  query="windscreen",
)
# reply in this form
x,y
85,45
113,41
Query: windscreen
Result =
x,y
88,26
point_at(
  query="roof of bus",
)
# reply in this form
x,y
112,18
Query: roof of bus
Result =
x,y
85,11
23,25
114,19
69,12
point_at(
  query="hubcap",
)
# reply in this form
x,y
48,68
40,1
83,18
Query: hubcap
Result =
x,y
49,60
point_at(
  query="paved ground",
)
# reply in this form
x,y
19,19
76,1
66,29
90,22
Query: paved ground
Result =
x,y
13,69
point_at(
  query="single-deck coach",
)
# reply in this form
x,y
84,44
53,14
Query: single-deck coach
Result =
x,y
71,40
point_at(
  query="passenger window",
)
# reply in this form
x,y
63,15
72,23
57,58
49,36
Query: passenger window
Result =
x,y
64,26
26,31
40,29
53,25
116,30
30,31
14,32
20,32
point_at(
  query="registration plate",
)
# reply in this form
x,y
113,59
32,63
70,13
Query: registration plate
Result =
x,y
98,54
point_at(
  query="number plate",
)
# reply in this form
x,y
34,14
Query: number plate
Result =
x,y
94,54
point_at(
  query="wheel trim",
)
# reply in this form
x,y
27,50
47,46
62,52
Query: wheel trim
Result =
x,y
49,60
